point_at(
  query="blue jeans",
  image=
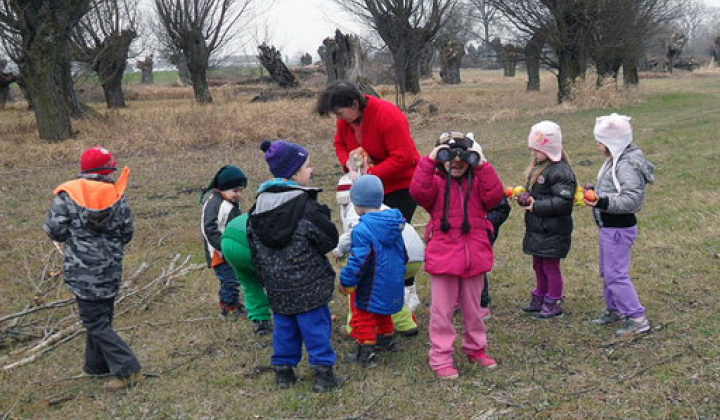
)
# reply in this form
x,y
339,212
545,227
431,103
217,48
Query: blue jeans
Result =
x,y
229,292
314,328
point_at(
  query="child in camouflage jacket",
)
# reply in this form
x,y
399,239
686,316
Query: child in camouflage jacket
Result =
x,y
90,215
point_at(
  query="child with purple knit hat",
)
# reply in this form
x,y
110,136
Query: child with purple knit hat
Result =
x,y
289,234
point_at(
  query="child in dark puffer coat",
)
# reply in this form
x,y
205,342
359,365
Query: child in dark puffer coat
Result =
x,y
290,233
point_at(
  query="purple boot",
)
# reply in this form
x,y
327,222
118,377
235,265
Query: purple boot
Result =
x,y
536,304
551,308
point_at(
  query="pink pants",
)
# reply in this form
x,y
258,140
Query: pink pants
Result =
x,y
446,294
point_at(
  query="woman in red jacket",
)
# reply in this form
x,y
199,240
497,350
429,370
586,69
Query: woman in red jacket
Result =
x,y
373,136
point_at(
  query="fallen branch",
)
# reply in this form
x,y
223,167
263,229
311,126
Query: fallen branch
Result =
x,y
56,304
64,326
44,347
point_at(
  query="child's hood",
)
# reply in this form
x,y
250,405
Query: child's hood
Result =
x,y
386,225
636,158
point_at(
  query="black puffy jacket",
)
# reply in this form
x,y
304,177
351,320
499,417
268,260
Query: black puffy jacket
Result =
x,y
289,234
548,227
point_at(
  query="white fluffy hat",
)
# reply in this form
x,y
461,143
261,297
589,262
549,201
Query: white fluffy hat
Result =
x,y
546,137
616,133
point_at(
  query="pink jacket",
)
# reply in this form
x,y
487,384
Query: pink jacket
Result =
x,y
454,252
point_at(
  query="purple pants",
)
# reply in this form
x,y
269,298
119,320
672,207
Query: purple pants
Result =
x,y
615,250
548,277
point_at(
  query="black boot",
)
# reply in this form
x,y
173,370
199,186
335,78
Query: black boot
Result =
x,y
284,376
262,327
325,379
386,343
366,355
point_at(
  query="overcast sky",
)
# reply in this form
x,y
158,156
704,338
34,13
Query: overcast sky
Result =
x,y
299,26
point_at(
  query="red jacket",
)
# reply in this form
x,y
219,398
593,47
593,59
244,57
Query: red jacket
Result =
x,y
384,134
453,252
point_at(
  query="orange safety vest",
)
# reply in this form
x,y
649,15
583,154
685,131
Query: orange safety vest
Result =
x,y
96,195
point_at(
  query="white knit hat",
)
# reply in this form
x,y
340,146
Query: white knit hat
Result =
x,y
616,133
546,137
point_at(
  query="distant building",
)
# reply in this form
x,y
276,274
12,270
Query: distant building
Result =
x,y
240,60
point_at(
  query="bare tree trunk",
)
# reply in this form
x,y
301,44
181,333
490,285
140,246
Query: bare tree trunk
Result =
x,y
532,62
451,55
146,70
201,89
42,75
270,59
567,74
407,70
110,66
6,79
343,58
426,61
630,72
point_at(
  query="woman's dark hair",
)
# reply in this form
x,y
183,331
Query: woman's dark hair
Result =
x,y
339,95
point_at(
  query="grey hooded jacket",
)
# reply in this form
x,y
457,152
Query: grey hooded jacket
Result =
x,y
617,206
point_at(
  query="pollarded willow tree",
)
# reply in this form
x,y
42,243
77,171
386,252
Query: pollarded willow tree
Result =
x,y
198,28
407,27
102,39
37,32
581,31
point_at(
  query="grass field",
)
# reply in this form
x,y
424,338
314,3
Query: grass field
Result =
x,y
205,367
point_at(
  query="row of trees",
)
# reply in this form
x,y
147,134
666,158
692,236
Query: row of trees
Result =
x,y
567,36
44,36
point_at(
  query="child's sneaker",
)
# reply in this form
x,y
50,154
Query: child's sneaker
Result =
x,y
448,372
482,359
634,326
609,316
232,311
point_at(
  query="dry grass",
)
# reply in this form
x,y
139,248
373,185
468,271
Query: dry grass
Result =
x,y
211,368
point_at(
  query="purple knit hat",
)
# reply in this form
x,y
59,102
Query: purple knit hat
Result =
x,y
284,158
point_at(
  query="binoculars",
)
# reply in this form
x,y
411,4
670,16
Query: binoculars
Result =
x,y
459,146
